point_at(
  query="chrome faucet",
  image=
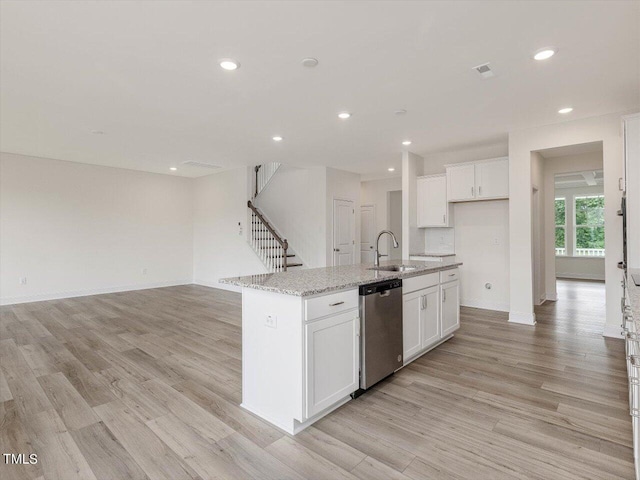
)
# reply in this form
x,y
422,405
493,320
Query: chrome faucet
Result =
x,y
376,258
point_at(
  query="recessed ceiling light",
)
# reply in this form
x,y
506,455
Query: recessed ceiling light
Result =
x,y
545,53
277,138
406,142
566,110
309,62
229,64
402,111
344,115
173,169
97,132
391,169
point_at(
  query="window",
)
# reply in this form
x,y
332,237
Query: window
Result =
x,y
561,224
589,226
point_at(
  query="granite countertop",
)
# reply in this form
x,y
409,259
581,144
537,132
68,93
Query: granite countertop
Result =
x,y
634,293
313,281
427,254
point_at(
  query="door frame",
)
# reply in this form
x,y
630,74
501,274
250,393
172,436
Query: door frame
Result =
x,y
333,229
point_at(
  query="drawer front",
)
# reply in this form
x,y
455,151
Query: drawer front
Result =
x,y
330,304
449,275
418,283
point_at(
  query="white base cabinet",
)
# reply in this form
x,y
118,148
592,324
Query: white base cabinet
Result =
x,y
429,314
332,360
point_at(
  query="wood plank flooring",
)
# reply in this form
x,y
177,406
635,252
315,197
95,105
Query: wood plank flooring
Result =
x,y
146,385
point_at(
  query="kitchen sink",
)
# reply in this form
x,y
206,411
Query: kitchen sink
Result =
x,y
394,268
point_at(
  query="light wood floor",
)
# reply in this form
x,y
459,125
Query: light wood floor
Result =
x,y
147,385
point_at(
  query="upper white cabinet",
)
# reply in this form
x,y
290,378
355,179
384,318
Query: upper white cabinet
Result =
x,y
492,179
461,183
484,180
433,208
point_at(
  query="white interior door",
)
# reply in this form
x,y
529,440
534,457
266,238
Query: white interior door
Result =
x,y
367,232
344,233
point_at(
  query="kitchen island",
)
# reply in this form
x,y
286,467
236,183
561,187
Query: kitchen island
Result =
x,y
300,333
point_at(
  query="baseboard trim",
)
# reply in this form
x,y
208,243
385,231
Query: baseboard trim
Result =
x,y
552,297
93,291
580,276
484,305
612,331
221,286
522,318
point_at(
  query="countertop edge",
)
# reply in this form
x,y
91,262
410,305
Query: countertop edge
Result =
x,y
337,288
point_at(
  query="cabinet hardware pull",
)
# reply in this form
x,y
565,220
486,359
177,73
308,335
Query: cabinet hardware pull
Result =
x,y
335,304
452,274
444,219
444,295
480,190
472,191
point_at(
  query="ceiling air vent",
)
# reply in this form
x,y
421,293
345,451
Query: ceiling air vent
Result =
x,y
193,163
484,70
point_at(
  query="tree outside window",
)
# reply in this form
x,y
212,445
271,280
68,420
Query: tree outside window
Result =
x,y
561,223
589,226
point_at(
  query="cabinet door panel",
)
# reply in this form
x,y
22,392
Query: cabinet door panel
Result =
x,y
432,202
411,324
492,179
430,317
450,300
332,360
461,183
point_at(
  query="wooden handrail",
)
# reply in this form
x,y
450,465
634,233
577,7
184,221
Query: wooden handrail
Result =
x,y
283,242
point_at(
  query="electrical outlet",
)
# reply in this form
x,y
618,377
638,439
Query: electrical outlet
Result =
x,y
496,241
271,321
144,271
240,228
22,280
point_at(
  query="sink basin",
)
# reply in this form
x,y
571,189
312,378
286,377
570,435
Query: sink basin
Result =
x,y
394,268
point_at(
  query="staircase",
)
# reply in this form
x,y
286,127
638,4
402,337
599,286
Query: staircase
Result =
x,y
268,244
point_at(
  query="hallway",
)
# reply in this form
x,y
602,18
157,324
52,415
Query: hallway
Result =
x,y
580,308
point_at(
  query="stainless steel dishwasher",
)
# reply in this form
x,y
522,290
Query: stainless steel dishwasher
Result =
x,y
380,331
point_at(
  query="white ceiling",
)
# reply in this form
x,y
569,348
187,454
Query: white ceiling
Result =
x,y
146,74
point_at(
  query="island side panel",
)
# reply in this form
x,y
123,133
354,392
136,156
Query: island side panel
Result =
x,y
272,356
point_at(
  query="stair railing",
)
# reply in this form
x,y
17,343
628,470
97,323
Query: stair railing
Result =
x,y
263,174
270,246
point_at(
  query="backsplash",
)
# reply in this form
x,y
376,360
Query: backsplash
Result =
x,y
439,240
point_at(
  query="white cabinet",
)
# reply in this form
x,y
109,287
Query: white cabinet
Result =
x,y
492,179
429,315
433,207
431,332
412,324
484,180
332,348
450,300
632,187
461,183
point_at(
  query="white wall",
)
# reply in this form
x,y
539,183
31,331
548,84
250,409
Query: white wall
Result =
x,y
294,201
413,238
376,192
342,185
482,245
606,129
219,249
590,268
75,229
538,227
435,163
